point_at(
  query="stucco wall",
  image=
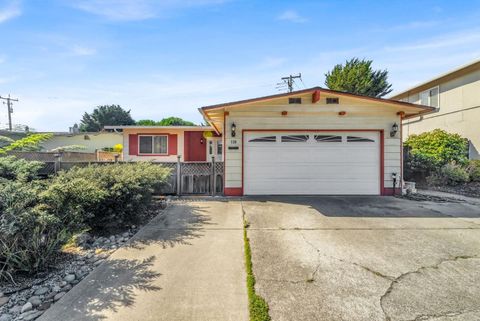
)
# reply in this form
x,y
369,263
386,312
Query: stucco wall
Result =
x,y
459,111
156,158
92,141
359,115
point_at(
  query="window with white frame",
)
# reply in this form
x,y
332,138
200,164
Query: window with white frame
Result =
x,y
153,144
430,97
215,148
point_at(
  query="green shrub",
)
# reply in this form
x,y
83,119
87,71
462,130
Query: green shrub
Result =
x,y
449,174
29,236
428,151
105,196
473,170
13,168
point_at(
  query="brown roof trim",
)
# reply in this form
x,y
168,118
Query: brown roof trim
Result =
x,y
335,92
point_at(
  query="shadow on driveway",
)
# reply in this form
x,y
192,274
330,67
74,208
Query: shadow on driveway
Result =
x,y
376,206
130,271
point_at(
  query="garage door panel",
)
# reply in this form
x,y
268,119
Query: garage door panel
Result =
x,y
308,166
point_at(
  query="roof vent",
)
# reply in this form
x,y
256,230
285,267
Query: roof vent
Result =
x,y
294,100
331,100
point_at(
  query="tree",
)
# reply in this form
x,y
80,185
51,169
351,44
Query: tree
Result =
x,y
170,121
29,143
146,122
103,116
358,77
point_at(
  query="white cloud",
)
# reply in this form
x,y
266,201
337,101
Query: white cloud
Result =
x,y
292,16
272,62
78,50
450,40
134,10
10,11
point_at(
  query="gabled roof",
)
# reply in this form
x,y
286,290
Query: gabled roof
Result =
x,y
304,91
452,74
208,111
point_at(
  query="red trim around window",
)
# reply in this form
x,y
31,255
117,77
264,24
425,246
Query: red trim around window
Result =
x,y
383,191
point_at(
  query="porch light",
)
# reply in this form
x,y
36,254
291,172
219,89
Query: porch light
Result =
x,y
233,129
394,130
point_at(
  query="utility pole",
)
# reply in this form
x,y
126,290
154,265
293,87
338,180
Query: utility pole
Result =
x,y
290,80
9,108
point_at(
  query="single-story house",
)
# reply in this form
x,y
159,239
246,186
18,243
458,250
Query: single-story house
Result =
x,y
455,95
313,141
170,143
90,141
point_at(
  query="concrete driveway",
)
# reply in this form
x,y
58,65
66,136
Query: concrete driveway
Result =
x,y
366,258
186,264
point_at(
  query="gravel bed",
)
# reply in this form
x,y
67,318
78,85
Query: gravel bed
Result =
x,y
29,297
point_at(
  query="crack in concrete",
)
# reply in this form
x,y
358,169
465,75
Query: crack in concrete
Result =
x,y
403,275
366,268
393,280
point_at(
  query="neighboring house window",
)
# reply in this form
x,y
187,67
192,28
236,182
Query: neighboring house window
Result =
x,y
219,147
157,144
430,97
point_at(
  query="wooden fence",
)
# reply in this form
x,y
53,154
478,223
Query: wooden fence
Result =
x,y
187,178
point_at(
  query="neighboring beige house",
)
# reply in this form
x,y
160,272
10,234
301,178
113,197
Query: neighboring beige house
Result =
x,y
91,141
456,97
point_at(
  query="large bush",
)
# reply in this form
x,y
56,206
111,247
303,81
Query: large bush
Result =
x,y
105,196
449,174
431,150
37,217
473,170
29,236
13,168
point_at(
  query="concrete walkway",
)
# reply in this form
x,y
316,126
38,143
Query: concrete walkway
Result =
x,y
187,264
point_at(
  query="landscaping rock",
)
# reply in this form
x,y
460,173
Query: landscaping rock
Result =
x,y
44,306
3,300
32,315
35,300
27,307
6,317
56,288
16,309
41,291
58,296
69,278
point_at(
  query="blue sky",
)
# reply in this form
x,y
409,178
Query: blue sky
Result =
x,y
163,58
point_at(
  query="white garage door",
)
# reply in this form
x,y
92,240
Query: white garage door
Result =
x,y
312,163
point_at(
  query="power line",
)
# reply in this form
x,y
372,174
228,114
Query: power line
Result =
x,y
290,81
9,109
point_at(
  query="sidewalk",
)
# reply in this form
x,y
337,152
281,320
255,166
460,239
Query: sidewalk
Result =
x,y
187,264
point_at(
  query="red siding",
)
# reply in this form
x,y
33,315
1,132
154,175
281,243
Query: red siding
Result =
x,y
133,144
172,144
194,149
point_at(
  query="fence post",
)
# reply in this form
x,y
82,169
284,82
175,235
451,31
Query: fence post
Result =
x,y
56,165
213,180
116,157
179,175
